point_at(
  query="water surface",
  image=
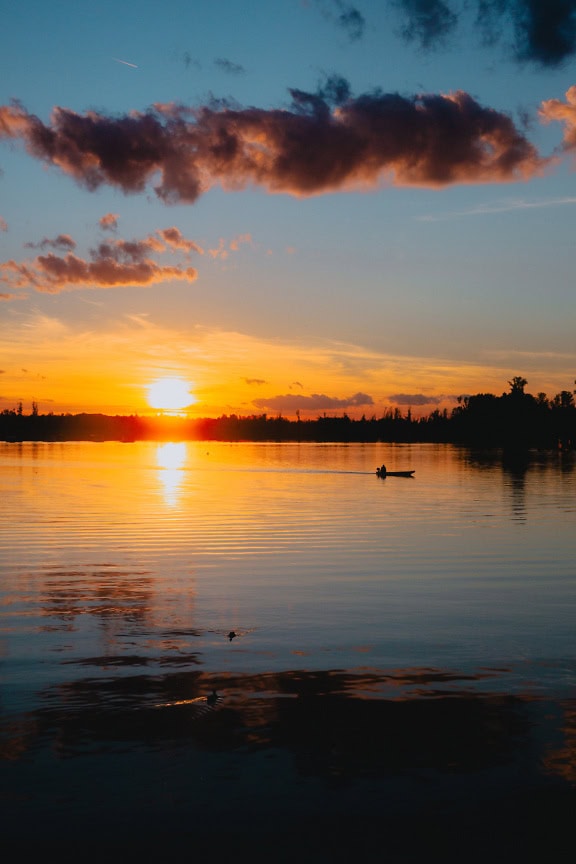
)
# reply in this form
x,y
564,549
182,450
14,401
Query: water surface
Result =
x,y
401,646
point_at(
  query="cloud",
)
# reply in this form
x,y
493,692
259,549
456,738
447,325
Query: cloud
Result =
x,y
316,402
111,265
427,22
188,61
223,252
3,224
351,20
239,239
346,16
254,381
109,222
173,237
62,241
415,399
229,67
316,147
565,112
507,206
543,31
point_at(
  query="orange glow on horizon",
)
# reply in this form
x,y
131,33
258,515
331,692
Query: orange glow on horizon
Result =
x,y
222,372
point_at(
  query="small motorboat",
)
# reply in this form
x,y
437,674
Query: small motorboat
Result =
x,y
383,472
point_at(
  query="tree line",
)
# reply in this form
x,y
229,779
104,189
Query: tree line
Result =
x,y
514,420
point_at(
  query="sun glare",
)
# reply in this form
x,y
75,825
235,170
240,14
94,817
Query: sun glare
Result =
x,y
170,394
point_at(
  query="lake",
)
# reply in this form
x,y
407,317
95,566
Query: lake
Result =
x,y
265,650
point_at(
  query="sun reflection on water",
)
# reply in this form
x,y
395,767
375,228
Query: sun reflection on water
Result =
x,y
171,458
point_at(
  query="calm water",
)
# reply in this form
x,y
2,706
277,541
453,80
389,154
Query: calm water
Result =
x,y
403,646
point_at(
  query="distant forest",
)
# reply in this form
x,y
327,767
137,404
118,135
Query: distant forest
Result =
x,y
515,419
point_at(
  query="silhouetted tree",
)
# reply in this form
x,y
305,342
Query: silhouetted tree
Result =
x,y
564,399
517,385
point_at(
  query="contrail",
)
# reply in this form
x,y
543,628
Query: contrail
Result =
x,y
125,62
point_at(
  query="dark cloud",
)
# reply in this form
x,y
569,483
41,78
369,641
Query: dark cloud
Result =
x,y
190,61
335,90
229,67
418,399
427,22
316,402
345,16
542,31
352,21
254,381
316,147
62,241
111,265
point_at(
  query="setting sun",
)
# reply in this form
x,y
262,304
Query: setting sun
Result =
x,y
170,394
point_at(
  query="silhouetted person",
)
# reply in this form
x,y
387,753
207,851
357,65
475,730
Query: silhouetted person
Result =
x,y
381,471
212,699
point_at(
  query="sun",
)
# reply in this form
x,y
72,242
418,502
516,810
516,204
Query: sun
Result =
x,y
170,394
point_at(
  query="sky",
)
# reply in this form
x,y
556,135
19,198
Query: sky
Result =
x,y
308,206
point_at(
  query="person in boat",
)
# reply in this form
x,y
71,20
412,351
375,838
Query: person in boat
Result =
x,y
381,471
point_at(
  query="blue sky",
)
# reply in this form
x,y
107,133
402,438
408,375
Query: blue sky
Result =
x,y
384,287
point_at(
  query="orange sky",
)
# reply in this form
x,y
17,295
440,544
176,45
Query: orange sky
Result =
x,y
113,370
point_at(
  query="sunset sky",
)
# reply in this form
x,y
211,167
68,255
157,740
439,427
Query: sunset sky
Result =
x,y
307,205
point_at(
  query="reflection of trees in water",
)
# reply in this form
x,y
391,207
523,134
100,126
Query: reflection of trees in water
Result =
x,y
418,763
561,761
519,467
515,466
313,715
133,629
105,594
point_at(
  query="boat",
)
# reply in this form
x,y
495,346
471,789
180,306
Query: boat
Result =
x,y
383,472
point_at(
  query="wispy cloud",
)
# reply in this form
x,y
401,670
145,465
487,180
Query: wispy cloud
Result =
x,y
427,22
62,241
229,66
224,247
173,237
189,61
345,16
507,206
